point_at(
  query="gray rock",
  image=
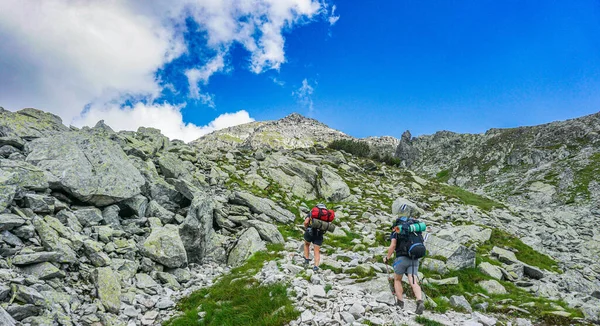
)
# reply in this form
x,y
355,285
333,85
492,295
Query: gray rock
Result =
x,y
34,258
39,203
533,272
11,239
155,210
16,142
331,186
94,251
172,167
268,232
378,288
412,209
434,265
144,281
492,287
505,256
6,319
316,291
10,221
43,271
26,294
30,123
53,242
446,281
490,270
89,216
164,246
457,256
108,287
23,175
7,150
196,231
263,206
26,231
4,291
357,310
137,205
347,317
110,215
20,312
248,243
7,193
165,304
92,168
461,303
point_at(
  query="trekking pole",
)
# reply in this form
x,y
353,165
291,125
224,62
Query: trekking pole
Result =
x,y
391,281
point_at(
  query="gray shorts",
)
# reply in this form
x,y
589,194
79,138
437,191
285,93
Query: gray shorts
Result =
x,y
405,265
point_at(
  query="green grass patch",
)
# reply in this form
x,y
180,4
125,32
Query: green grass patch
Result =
x,y
427,322
443,176
238,299
525,253
343,242
361,272
336,270
328,287
584,176
466,197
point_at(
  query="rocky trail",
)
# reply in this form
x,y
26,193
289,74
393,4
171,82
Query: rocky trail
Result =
x,y
130,228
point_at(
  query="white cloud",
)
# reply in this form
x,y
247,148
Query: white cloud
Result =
x,y
60,55
333,18
304,95
165,117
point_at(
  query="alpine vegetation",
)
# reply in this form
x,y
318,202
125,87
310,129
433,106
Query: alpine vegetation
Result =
x,y
289,222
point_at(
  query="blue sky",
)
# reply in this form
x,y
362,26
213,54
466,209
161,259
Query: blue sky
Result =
x,y
367,68
388,66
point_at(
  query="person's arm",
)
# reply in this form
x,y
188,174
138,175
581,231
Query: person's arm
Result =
x,y
306,221
390,251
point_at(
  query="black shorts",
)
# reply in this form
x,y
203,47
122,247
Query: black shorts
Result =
x,y
314,236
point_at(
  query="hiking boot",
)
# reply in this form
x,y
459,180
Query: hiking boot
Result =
x,y
315,268
306,262
420,307
400,303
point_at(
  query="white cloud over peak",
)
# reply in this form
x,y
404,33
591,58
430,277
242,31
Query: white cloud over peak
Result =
x,y
61,55
333,18
304,95
165,117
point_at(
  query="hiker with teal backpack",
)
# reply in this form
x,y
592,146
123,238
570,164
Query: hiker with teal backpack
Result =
x,y
318,221
408,244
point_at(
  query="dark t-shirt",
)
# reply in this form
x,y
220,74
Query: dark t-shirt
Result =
x,y
400,244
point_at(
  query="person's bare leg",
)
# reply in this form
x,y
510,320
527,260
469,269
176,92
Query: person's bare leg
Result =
x,y
317,255
398,286
415,287
306,249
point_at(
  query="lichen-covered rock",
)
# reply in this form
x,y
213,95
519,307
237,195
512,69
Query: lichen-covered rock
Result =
x,y
493,287
263,206
90,167
331,186
164,246
43,271
10,221
93,250
248,243
197,228
268,232
412,209
457,256
53,242
23,175
490,270
155,210
108,287
34,258
6,319
29,123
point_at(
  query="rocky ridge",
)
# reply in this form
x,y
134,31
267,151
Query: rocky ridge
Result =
x,y
120,226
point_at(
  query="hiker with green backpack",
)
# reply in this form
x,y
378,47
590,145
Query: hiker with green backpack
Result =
x,y
408,244
318,221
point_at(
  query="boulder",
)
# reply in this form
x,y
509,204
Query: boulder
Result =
x,y
505,256
434,265
39,203
43,271
263,206
461,303
492,287
34,258
7,193
466,234
268,232
29,123
53,242
172,167
248,243
457,256
155,210
378,288
6,319
196,231
108,288
331,186
413,210
23,175
490,270
164,246
136,205
533,272
10,221
27,294
92,168
93,250
89,216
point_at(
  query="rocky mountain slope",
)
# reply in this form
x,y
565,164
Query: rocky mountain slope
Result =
x,y
106,228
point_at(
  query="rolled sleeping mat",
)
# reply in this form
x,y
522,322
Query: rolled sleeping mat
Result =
x,y
322,225
416,227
